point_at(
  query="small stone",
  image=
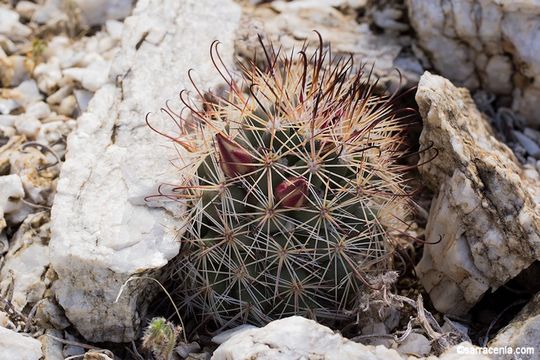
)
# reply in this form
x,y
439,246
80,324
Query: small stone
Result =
x,y
8,105
56,132
14,70
37,177
48,75
297,338
11,192
17,346
185,349
96,355
50,315
40,110
114,28
10,25
5,133
91,78
530,145
416,345
52,348
68,106
26,9
26,261
83,98
532,134
28,125
60,94
7,120
26,93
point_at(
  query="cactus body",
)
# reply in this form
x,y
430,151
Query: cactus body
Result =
x,y
292,194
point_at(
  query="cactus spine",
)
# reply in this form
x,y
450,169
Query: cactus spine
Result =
x,y
293,191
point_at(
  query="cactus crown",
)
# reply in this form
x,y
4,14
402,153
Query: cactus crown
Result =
x,y
293,188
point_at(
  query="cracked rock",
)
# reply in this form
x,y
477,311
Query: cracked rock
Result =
x,y
484,222
103,230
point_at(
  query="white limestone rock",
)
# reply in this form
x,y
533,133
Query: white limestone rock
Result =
x,y
26,8
297,338
488,43
10,25
484,223
28,125
39,109
522,331
11,192
48,75
26,262
17,346
26,93
92,77
14,70
103,231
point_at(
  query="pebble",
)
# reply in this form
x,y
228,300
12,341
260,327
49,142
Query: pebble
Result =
x,y
14,70
533,134
10,196
48,75
39,109
530,145
60,94
5,133
68,105
10,25
26,9
114,28
91,78
7,106
27,93
28,125
7,120
415,344
83,98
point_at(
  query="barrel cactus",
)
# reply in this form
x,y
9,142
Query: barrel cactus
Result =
x,y
293,189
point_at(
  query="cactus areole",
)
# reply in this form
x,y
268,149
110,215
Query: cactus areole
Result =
x,y
293,189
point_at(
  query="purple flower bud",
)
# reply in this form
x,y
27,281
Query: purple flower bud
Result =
x,y
234,159
292,192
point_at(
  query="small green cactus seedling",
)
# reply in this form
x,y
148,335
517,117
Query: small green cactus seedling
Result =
x,y
160,338
293,190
